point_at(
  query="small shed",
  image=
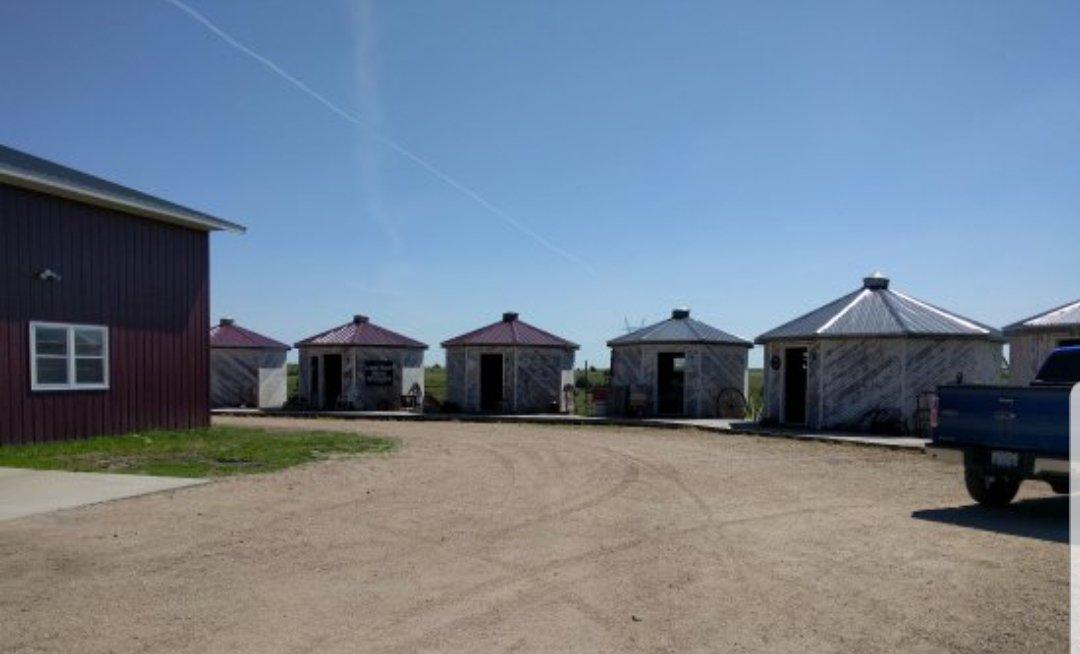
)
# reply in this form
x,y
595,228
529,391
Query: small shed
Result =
x,y
247,369
1031,340
361,366
509,367
679,366
861,361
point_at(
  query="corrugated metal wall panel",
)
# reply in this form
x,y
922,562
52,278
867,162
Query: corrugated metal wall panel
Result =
x,y
147,281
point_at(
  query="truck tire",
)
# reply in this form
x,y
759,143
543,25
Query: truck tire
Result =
x,y
989,489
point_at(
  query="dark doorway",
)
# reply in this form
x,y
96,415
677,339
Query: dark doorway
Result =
x,y
491,382
313,382
671,382
331,380
795,363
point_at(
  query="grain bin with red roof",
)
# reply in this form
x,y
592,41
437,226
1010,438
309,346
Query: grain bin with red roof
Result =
x,y
247,369
509,366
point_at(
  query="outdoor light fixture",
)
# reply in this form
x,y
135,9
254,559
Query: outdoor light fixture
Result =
x,y
48,275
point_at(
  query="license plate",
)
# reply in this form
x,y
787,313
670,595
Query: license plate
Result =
x,y
1005,459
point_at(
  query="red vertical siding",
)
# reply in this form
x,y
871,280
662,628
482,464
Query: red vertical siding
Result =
x,y
145,280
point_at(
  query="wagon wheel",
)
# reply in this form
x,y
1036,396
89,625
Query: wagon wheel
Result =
x,y
731,404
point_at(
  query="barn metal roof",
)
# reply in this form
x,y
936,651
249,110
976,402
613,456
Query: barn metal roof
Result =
x,y
362,332
228,334
510,331
27,171
1067,315
875,310
679,328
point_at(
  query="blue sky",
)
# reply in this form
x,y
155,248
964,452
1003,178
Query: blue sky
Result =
x,y
583,163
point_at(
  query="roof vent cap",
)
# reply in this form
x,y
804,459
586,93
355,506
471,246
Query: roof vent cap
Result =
x,y
510,316
359,319
681,313
876,281
227,322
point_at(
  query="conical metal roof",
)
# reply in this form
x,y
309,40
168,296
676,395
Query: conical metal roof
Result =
x,y
509,332
361,332
679,328
875,310
1067,315
227,334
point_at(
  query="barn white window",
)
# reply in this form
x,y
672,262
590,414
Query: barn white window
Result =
x,y
67,357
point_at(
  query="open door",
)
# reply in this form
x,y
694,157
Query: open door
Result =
x,y
491,382
331,380
671,382
795,373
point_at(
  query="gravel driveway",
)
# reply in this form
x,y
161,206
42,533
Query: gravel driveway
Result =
x,y
532,538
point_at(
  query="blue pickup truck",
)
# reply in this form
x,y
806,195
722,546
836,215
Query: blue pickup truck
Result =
x,y
1006,434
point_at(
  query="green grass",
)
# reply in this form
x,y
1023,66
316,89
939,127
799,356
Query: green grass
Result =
x,y
292,379
213,452
755,395
435,382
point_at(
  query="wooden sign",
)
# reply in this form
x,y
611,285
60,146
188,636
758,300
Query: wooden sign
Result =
x,y
378,372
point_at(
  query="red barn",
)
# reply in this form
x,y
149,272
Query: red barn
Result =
x,y
104,306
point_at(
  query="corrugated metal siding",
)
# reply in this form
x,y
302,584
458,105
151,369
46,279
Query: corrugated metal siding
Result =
x,y
359,395
532,376
850,378
147,281
1028,350
709,369
247,376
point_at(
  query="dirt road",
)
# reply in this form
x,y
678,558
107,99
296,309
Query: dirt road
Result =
x,y
527,538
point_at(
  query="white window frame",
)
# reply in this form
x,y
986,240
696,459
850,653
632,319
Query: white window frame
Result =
x,y
72,384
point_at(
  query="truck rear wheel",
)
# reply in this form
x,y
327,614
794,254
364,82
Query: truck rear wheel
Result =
x,y
990,489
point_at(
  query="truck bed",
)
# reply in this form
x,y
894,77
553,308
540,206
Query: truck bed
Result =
x,y
1031,419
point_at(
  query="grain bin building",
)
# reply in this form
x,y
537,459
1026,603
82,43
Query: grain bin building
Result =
x,y
861,361
361,366
104,306
678,366
509,367
247,369
1031,340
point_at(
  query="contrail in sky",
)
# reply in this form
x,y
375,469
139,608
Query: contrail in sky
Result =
x,y
396,147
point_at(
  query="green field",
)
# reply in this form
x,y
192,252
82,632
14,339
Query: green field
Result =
x,y
212,452
435,382
292,380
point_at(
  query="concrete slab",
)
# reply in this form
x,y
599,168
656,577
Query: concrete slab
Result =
x,y
25,492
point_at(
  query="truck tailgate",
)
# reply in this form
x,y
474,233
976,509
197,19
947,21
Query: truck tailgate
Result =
x,y
1031,419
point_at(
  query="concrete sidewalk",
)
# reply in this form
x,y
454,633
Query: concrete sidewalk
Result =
x,y
716,426
26,492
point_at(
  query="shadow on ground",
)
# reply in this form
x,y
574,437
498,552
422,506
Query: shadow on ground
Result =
x,y
1045,518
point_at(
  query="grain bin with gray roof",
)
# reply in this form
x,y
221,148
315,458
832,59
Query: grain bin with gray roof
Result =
x,y
861,361
1031,340
678,366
